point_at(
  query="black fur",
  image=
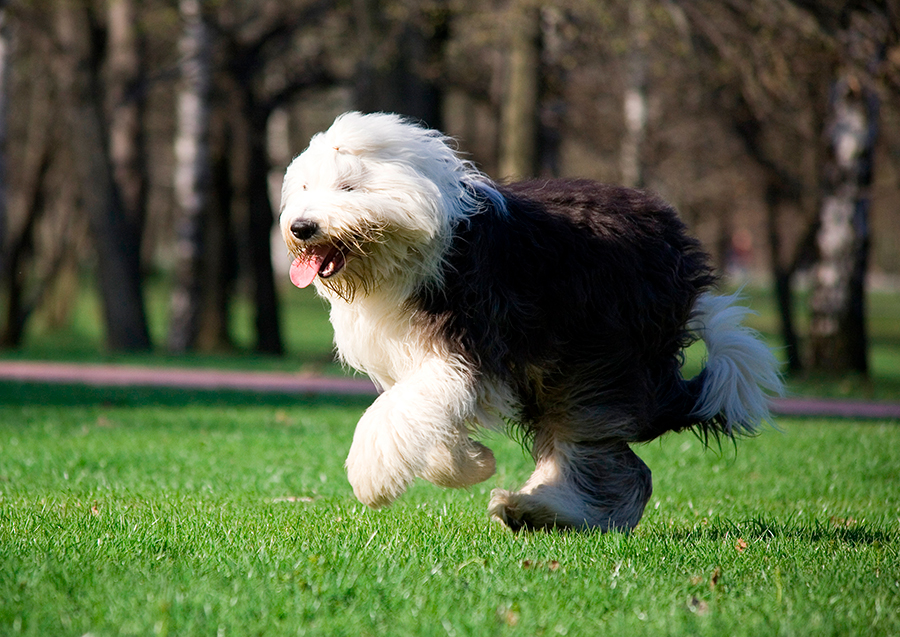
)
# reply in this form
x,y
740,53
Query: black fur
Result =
x,y
577,296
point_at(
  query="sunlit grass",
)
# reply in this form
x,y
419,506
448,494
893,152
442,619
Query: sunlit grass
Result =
x,y
229,517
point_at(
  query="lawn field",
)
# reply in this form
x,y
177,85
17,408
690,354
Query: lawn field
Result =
x,y
148,512
138,511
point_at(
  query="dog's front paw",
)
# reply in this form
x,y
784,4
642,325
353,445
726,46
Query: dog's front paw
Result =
x,y
376,483
460,465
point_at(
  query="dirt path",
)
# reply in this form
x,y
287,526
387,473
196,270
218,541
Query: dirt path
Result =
x,y
285,383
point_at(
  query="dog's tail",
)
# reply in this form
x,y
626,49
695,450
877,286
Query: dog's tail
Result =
x,y
741,375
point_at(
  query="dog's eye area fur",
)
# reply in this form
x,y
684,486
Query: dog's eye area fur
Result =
x,y
346,187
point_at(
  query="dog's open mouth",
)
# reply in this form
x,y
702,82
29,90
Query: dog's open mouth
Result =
x,y
322,260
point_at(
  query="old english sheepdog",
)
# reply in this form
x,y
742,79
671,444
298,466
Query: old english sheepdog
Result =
x,y
557,308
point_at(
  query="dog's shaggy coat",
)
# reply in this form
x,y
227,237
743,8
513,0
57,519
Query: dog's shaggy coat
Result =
x,y
561,307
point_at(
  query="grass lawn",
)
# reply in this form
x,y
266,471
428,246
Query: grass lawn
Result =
x,y
160,512
143,512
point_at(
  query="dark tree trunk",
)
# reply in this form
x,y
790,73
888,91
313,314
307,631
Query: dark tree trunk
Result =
x,y
838,341
252,212
782,188
776,193
126,101
117,238
400,81
519,114
18,246
5,68
259,235
220,255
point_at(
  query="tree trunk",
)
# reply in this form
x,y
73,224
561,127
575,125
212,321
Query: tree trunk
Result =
x,y
220,253
125,105
259,234
635,99
192,175
519,113
401,83
776,193
5,59
838,341
116,237
252,213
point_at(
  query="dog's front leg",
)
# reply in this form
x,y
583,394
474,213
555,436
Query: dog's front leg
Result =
x,y
417,428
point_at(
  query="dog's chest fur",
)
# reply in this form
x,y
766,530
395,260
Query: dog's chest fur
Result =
x,y
374,334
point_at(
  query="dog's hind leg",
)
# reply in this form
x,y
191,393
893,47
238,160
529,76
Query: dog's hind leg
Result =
x,y
578,485
417,428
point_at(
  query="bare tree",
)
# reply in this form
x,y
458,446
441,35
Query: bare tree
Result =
x,y
635,97
519,113
117,237
838,340
780,110
401,49
261,78
125,97
5,64
192,174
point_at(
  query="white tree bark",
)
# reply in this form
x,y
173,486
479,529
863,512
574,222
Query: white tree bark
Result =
x,y
635,98
837,326
192,172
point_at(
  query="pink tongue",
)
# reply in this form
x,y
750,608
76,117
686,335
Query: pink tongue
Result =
x,y
304,269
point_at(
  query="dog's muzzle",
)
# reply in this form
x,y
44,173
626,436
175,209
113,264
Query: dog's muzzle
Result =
x,y
314,259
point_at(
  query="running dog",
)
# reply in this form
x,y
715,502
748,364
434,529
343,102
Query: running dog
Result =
x,y
558,308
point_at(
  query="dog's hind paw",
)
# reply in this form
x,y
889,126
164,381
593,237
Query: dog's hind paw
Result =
x,y
502,509
524,511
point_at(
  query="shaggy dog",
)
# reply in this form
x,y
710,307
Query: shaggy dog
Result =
x,y
560,308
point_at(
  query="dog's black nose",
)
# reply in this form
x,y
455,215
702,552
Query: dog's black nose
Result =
x,y
303,229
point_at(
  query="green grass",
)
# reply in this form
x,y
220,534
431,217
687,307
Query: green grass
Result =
x,y
179,512
149,512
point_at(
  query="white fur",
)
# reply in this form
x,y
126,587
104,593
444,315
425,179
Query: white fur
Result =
x,y
741,371
408,183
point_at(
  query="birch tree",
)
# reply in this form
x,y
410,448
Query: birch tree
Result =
x,y
192,173
635,97
838,339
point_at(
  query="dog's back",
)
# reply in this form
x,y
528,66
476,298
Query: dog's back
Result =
x,y
578,295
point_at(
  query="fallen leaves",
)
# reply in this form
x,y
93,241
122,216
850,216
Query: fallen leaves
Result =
x,y
552,565
507,615
698,606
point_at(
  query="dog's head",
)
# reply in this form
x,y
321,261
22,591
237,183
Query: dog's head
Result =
x,y
372,202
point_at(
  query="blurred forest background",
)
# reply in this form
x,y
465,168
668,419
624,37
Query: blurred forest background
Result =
x,y
142,143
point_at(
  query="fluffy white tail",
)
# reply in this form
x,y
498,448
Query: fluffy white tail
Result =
x,y
741,372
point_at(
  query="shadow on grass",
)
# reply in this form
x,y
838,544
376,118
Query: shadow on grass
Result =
x,y
846,531
61,395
